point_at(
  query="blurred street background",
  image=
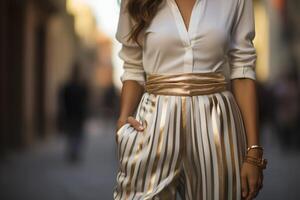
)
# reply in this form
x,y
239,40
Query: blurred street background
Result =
x,y
59,98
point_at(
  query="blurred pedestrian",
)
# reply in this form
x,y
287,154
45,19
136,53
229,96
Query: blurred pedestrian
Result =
x,y
73,110
287,109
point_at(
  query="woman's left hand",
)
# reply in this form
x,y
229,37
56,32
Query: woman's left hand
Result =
x,y
252,180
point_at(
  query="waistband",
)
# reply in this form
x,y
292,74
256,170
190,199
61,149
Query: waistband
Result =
x,y
185,84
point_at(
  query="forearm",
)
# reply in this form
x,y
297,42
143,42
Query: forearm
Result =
x,y
244,91
130,96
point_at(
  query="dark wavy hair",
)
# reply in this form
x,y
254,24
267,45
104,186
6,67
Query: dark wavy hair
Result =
x,y
142,12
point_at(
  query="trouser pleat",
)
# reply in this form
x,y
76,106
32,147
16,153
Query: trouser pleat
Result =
x,y
193,145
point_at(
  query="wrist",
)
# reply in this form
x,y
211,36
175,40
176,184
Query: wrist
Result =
x,y
259,162
123,117
255,153
255,150
121,121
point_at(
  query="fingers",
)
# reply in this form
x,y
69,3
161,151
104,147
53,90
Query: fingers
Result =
x,y
244,186
251,183
259,186
260,183
262,179
135,123
253,186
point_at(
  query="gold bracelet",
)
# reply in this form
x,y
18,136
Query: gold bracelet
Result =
x,y
255,146
262,163
255,158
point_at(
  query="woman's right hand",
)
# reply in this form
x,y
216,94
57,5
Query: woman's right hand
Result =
x,y
132,121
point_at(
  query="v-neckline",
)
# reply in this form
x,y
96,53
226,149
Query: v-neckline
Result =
x,y
191,18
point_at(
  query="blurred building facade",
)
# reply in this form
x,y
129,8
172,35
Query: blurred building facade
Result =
x,y
40,40
280,40
30,33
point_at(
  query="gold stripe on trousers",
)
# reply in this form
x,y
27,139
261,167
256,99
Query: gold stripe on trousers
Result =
x,y
193,142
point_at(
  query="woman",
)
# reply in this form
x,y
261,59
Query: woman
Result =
x,y
180,128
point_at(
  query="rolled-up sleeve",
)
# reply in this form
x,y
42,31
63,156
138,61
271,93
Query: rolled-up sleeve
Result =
x,y
242,53
131,53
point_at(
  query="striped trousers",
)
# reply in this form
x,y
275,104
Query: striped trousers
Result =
x,y
191,144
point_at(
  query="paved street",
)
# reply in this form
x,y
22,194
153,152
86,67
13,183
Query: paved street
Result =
x,y
41,173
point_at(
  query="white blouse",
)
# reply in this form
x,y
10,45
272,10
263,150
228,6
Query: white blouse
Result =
x,y
220,31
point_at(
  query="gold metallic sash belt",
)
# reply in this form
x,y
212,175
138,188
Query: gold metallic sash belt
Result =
x,y
185,84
